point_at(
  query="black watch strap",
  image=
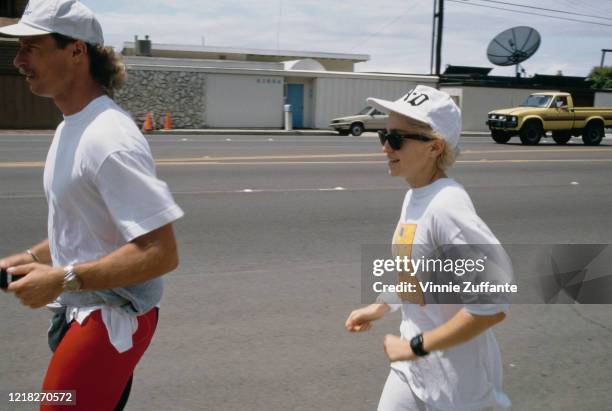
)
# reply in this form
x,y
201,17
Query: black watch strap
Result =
x,y
416,344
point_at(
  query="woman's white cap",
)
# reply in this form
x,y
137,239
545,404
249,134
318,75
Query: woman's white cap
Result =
x,y
429,106
67,17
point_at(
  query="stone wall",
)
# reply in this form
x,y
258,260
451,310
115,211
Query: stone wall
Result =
x,y
178,92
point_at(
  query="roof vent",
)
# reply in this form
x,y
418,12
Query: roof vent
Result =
x,y
304,64
142,47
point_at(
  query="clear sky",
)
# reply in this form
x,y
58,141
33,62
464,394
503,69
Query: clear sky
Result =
x,y
396,34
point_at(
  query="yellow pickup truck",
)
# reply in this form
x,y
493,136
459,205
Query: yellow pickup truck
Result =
x,y
552,111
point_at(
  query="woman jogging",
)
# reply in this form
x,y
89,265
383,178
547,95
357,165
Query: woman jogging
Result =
x,y
447,357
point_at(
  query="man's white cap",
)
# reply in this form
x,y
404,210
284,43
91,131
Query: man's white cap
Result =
x,y
429,106
68,17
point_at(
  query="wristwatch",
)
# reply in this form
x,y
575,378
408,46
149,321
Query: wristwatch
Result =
x,y
72,282
416,344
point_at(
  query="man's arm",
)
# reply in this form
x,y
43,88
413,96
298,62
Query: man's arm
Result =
x,y
142,259
40,250
462,327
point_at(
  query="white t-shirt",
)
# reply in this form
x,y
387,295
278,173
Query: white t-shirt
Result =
x,y
467,376
101,185
102,192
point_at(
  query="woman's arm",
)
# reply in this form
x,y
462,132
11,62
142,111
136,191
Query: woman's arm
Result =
x,y
361,319
462,327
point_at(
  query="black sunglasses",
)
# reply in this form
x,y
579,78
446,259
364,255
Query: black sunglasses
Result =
x,y
395,139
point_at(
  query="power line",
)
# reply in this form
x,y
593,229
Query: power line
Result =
x,y
532,14
545,9
377,32
585,6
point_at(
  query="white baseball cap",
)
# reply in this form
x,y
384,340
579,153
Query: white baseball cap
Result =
x,y
429,106
67,17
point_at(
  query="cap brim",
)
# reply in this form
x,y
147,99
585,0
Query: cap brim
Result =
x,y
21,30
387,106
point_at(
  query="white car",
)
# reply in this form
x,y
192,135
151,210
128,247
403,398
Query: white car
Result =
x,y
368,119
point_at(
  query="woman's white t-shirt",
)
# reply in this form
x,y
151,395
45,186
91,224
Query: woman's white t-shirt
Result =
x,y
467,376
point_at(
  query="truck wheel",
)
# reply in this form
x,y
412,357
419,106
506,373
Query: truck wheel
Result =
x,y
500,137
593,133
531,133
561,137
356,129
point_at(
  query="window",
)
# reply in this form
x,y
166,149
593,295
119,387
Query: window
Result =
x,y
562,100
536,101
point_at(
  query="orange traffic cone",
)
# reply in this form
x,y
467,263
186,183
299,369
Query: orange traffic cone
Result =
x,y
168,122
148,123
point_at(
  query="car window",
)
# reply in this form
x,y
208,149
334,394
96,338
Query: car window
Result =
x,y
377,113
536,101
365,110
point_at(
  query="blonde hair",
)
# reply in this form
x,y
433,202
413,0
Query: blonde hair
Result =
x,y
448,156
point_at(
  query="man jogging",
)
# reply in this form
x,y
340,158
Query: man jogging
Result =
x,y
110,234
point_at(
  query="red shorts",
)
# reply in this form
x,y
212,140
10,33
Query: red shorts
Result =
x,y
86,362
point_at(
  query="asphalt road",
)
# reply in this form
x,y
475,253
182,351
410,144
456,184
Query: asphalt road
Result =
x,y
270,267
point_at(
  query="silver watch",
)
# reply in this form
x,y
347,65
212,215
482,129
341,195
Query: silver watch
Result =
x,y
72,282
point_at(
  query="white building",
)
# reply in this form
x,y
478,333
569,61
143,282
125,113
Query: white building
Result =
x,y
247,88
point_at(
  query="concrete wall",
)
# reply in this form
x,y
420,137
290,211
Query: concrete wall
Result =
x,y
159,91
603,99
456,94
476,102
244,101
228,97
337,97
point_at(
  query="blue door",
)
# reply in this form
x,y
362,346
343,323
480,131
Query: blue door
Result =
x,y
295,97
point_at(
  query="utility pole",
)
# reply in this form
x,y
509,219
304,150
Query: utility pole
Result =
x,y
436,37
433,38
603,55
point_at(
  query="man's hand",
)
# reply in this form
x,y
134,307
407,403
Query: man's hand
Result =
x,y
41,285
361,319
15,260
398,349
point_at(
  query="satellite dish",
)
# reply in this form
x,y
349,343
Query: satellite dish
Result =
x,y
513,46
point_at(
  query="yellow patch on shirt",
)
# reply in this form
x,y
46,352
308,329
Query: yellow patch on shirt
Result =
x,y
402,247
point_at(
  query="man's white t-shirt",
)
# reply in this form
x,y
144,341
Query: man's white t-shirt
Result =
x,y
467,376
102,192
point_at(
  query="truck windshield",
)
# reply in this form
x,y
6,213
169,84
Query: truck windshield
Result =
x,y
536,101
365,110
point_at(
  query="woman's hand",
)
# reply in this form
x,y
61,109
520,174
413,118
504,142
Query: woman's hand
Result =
x,y
361,319
398,349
